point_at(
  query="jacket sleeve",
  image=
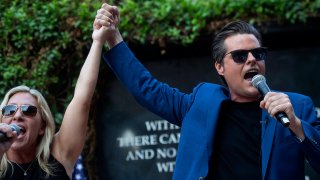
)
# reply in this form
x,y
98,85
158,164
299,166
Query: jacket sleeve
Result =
x,y
161,99
311,128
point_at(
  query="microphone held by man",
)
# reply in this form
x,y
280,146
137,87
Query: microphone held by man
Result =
x,y
259,82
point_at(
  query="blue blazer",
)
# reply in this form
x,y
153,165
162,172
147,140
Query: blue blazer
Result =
x,y
283,155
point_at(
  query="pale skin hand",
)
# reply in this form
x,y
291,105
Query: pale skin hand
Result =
x,y
12,135
275,102
108,17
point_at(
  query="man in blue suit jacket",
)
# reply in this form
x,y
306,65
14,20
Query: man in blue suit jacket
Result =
x,y
227,132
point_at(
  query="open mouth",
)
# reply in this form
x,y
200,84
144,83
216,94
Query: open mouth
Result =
x,y
250,74
22,130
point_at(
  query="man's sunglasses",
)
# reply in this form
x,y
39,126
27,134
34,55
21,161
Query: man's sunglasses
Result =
x,y
241,55
28,110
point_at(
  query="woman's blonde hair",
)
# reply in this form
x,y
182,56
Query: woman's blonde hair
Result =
x,y
44,142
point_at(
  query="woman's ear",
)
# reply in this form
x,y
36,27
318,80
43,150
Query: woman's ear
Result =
x,y
42,128
219,67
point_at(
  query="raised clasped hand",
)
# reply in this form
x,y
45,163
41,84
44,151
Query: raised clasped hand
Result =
x,y
106,22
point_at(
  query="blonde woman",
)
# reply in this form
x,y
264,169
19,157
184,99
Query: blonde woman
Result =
x,y
38,152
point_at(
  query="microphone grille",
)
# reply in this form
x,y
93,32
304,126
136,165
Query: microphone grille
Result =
x,y
257,79
16,128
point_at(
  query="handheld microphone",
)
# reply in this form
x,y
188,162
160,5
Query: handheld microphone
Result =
x,y
259,82
14,127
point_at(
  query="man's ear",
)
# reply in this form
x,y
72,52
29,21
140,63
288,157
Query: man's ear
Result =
x,y
219,67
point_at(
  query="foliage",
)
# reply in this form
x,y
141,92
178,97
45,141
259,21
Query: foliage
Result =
x,y
181,21
43,45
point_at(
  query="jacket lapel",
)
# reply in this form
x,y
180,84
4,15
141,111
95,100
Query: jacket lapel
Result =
x,y
268,130
214,106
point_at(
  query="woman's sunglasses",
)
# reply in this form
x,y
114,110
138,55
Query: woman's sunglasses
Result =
x,y
28,110
240,56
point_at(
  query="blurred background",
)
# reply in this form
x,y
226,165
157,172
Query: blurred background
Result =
x,y
44,43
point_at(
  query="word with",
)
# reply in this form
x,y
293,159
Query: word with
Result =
x,y
160,125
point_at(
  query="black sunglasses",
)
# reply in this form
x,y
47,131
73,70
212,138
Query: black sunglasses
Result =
x,y
10,110
241,55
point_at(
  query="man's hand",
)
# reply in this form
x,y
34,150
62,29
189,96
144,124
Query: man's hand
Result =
x,y
275,102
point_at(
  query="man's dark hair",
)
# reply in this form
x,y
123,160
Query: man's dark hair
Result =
x,y
233,28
